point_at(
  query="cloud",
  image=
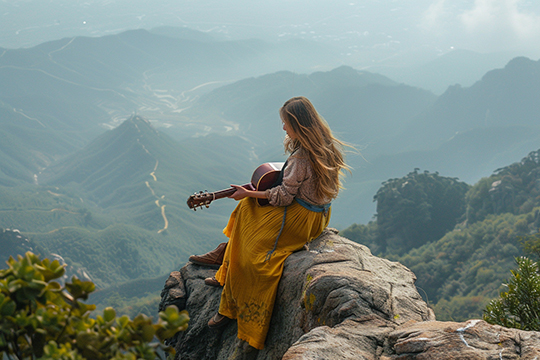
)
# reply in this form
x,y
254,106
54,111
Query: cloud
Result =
x,y
500,16
484,25
435,15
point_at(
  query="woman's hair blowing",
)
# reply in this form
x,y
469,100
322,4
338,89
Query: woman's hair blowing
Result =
x,y
313,134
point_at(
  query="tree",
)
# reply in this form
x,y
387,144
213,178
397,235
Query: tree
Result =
x,y
416,209
514,189
41,319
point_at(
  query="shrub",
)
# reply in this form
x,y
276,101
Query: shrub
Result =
x,y
42,319
519,307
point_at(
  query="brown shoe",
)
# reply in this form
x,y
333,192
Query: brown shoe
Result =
x,y
212,281
218,321
212,259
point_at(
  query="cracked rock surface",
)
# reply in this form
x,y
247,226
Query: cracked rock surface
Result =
x,y
338,301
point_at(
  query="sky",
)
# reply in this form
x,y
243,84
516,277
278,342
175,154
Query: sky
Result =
x,y
485,25
375,28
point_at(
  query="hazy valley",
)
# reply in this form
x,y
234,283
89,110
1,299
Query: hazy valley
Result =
x,y
103,140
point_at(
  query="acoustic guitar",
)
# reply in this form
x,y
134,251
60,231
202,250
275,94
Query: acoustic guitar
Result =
x,y
262,179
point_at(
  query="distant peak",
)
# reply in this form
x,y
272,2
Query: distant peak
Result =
x,y
139,119
519,69
345,69
139,123
520,62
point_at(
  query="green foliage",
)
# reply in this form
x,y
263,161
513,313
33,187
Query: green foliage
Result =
x,y
417,209
468,262
13,243
140,296
111,247
107,223
460,308
363,234
146,305
519,306
512,189
531,244
460,271
45,320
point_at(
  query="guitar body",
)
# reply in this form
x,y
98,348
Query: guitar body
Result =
x,y
262,179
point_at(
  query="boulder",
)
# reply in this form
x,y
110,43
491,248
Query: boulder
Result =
x,y
338,301
474,339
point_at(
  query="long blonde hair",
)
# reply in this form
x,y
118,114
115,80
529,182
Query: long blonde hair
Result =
x,y
313,134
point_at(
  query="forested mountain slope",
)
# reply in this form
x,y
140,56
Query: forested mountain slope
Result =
x,y
460,271
117,208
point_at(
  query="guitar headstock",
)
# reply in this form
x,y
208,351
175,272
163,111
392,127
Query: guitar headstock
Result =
x,y
200,199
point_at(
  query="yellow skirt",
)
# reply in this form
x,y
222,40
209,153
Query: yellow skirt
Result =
x,y
250,282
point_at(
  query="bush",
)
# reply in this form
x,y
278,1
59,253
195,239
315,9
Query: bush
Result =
x,y
519,307
41,319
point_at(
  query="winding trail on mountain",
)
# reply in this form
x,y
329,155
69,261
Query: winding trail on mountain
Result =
x,y
28,117
64,210
153,175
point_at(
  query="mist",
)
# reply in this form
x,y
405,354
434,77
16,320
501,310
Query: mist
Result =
x,y
114,112
362,33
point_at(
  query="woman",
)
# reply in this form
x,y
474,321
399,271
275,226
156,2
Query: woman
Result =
x,y
261,238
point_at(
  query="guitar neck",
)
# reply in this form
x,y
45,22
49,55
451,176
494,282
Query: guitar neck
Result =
x,y
263,178
228,192
223,193
204,199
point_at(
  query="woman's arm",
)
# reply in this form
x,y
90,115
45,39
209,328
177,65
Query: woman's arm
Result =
x,y
242,192
298,170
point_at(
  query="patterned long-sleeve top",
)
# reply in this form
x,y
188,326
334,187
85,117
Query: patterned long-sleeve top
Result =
x,y
298,181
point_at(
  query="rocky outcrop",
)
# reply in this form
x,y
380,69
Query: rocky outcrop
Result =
x,y
338,301
430,340
473,340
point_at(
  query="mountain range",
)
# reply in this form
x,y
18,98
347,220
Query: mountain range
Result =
x,y
465,132
67,92
103,139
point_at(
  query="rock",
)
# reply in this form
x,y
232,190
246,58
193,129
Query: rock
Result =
x,y
174,292
428,340
362,338
338,301
474,339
